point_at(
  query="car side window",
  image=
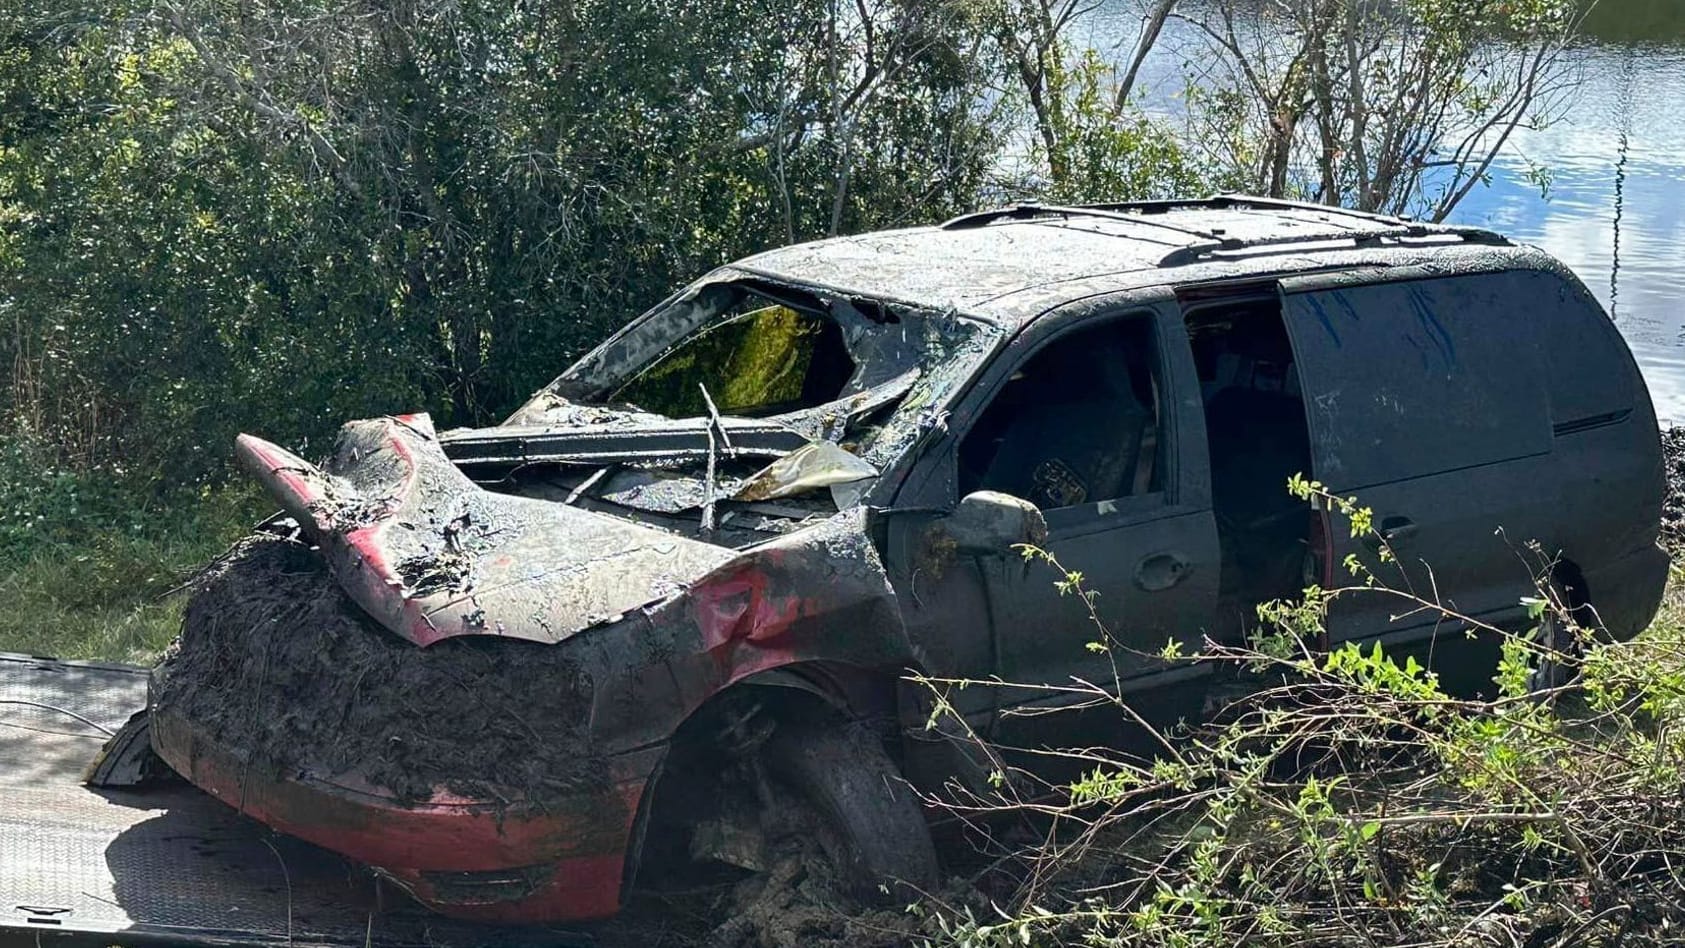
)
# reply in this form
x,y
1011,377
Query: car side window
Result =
x,y
1079,421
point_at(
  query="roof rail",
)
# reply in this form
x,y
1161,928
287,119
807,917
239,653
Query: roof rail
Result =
x,y
1236,199
1383,226
1370,238
1132,210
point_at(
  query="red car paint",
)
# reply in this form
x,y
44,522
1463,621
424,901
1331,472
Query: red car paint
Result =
x,y
540,571
580,842
304,493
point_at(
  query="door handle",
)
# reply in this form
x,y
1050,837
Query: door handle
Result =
x,y
1392,531
1162,571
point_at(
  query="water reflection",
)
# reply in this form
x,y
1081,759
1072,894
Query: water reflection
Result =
x,y
1616,208
1615,212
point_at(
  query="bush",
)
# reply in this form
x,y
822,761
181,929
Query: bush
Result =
x,y
1348,799
44,503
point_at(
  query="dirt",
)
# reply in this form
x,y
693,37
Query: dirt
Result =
x,y
1673,508
799,902
275,661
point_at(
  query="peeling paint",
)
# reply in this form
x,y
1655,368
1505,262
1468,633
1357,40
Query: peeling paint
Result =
x,y
431,555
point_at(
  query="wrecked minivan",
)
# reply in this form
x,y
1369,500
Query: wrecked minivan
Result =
x,y
668,609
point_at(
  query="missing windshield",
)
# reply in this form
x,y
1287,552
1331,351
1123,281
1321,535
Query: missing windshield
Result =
x,y
760,349
759,357
813,392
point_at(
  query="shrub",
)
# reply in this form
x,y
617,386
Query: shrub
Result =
x,y
44,503
1347,798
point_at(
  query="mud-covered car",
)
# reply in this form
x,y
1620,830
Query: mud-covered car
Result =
x,y
675,598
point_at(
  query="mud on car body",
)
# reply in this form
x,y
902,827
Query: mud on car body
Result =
x,y
681,587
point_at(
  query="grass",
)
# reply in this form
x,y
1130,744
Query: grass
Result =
x,y
91,593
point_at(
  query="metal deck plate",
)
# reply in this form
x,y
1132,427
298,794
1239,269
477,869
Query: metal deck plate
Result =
x,y
166,863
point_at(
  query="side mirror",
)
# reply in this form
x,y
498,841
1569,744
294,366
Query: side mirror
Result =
x,y
991,523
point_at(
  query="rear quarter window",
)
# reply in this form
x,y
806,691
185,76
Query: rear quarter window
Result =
x,y
1589,372
1416,377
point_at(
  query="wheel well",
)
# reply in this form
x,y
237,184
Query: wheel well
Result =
x,y
809,692
1568,575
782,694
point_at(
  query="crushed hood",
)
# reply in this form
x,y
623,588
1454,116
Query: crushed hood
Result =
x,y
430,554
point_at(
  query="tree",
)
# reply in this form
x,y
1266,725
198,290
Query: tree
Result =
x,y
1090,142
1381,105
277,214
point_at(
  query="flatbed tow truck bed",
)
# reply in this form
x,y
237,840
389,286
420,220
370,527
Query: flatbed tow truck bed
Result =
x,y
166,864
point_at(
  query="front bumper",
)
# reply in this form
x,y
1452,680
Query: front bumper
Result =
x,y
511,861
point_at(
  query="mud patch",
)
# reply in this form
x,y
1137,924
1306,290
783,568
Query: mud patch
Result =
x,y
1673,508
276,662
801,902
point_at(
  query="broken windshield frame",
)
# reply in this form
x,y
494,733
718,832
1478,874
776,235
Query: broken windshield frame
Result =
x,y
890,379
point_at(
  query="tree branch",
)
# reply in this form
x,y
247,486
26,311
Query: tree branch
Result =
x,y
321,148
1150,29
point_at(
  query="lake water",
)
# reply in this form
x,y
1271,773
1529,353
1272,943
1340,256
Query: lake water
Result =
x,y
1616,207
1615,211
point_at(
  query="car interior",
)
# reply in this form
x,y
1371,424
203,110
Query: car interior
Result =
x,y
1078,423
1257,437
1081,422
764,358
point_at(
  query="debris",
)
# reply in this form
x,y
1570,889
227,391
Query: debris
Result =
x,y
276,660
1673,505
819,464
800,902
586,484
438,556
710,486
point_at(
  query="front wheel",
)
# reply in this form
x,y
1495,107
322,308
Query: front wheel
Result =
x,y
869,821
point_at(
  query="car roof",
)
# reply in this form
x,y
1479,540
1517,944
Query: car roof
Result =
x,y
1011,264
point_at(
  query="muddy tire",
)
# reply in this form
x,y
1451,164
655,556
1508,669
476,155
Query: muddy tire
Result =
x,y
1557,662
127,758
870,822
